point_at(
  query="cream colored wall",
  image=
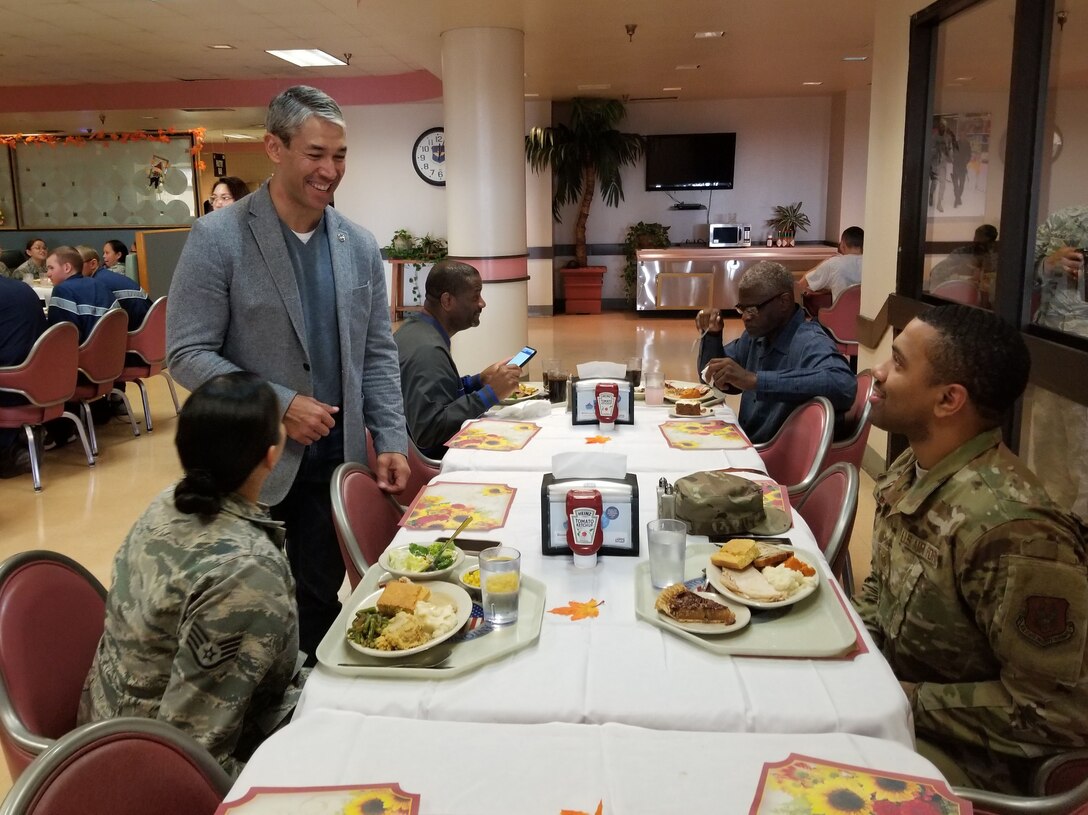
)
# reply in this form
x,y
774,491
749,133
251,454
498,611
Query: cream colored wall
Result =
x,y
245,160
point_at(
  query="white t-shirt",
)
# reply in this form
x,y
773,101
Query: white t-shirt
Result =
x,y
836,273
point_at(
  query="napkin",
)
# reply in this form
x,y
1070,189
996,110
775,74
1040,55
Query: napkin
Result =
x,y
589,465
532,409
602,370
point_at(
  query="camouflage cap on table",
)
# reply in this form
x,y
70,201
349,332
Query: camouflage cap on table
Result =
x,y
717,503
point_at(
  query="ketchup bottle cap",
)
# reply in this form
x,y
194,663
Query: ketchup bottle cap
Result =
x,y
585,561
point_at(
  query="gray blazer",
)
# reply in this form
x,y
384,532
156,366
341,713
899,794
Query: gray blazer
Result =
x,y
234,305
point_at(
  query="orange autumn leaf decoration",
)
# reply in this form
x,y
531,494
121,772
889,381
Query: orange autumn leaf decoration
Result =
x,y
578,611
598,439
599,810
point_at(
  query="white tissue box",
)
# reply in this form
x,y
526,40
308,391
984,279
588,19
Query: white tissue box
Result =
x,y
583,394
619,499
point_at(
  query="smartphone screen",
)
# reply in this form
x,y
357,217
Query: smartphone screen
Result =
x,y
523,356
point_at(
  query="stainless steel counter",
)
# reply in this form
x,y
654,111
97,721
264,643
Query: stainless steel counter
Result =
x,y
691,278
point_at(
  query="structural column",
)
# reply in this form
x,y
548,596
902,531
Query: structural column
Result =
x,y
484,114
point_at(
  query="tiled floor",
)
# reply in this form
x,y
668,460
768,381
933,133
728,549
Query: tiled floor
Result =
x,y
86,512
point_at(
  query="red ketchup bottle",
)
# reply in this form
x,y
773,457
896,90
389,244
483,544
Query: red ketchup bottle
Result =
x,y
606,405
584,531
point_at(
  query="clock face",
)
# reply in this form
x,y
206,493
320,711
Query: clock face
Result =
x,y
429,156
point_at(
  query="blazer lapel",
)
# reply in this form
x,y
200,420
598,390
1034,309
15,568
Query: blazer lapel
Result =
x,y
343,273
265,224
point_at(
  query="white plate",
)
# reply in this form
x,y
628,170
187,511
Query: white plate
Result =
x,y
742,613
708,413
671,393
444,594
714,575
530,392
383,561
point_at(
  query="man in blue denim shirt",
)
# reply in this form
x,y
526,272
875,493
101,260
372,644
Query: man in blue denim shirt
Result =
x,y
779,361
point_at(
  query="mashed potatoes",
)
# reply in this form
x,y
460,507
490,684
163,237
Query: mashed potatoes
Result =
x,y
786,580
438,620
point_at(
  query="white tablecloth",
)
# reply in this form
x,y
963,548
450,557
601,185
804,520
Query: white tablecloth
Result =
x,y
616,668
43,292
478,769
642,443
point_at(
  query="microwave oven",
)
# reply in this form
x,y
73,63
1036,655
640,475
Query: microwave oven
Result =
x,y
727,235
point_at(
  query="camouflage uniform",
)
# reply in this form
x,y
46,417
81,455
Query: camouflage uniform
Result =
x,y
979,593
29,271
6,272
201,628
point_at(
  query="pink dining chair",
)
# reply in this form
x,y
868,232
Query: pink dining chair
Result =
x,y
958,291
101,360
365,518
46,379
794,456
1073,801
829,509
856,425
146,357
841,320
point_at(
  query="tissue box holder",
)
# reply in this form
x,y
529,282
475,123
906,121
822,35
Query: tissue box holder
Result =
x,y
620,509
583,393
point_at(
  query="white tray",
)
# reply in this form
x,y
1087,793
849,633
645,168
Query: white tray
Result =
x,y
452,658
816,627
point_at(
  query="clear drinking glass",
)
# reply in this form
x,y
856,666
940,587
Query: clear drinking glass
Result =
x,y
667,540
634,371
500,580
655,387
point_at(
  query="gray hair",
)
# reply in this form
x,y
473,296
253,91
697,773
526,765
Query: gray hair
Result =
x,y
290,110
774,277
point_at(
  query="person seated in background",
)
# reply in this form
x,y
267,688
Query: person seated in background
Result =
x,y
76,299
780,361
6,272
32,270
228,190
114,253
22,321
201,624
978,596
437,399
837,273
976,263
126,292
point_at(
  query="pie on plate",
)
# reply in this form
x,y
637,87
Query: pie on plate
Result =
x,y
700,612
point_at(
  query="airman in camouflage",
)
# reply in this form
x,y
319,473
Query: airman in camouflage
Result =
x,y
978,595
201,628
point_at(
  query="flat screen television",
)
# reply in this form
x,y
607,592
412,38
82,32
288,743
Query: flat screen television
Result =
x,y
690,161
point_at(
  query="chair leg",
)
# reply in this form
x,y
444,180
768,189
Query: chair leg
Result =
x,y
847,578
35,467
82,436
147,407
88,421
173,391
128,410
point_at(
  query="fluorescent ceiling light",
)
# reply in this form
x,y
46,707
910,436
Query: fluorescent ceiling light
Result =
x,y
531,95
708,35
964,78
601,87
854,59
687,67
223,47
239,136
812,83
307,57
672,89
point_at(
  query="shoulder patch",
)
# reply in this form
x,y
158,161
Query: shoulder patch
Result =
x,y
211,653
1045,620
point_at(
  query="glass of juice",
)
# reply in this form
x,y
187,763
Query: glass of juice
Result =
x,y
500,580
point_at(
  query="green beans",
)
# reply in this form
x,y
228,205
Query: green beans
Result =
x,y
367,626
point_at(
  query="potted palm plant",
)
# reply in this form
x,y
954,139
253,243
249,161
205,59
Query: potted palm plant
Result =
x,y
587,152
787,220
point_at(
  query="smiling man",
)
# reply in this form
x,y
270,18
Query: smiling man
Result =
x,y
437,399
283,285
978,595
780,360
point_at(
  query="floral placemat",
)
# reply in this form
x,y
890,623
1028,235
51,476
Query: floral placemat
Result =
x,y
775,496
803,785
715,434
494,434
445,504
355,799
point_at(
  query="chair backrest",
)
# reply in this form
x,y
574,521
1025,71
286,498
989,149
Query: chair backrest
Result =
x,y
858,421
48,374
421,469
829,509
1061,772
366,519
958,291
124,766
149,340
794,456
102,355
52,614
1070,802
842,316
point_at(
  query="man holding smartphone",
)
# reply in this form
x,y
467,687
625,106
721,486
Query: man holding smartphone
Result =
x,y
437,399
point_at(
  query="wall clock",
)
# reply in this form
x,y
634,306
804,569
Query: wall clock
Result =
x,y
429,156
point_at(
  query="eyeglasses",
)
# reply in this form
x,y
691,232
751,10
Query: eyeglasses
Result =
x,y
756,308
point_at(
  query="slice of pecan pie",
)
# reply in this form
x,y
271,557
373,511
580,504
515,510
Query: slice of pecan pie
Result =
x,y
689,607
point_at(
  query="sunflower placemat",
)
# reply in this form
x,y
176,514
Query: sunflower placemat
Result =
x,y
803,785
355,799
494,434
715,434
445,504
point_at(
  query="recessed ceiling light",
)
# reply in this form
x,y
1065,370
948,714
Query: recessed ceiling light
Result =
x,y
149,118
687,67
601,87
854,59
307,57
239,136
531,95
812,83
223,47
708,35
672,89
964,78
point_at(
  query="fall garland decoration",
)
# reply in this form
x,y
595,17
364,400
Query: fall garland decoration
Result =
x,y
82,139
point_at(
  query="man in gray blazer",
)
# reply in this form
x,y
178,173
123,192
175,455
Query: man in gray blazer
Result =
x,y
282,285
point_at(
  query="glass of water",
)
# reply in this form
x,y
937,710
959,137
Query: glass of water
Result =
x,y
500,580
667,540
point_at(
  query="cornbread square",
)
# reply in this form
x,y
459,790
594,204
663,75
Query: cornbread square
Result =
x,y
736,554
401,595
